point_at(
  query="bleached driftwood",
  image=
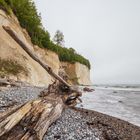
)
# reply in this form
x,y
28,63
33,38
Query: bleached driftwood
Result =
x,y
66,86
32,120
5,82
32,55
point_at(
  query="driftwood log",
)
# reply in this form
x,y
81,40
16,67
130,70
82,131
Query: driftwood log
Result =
x,y
66,87
6,82
14,35
31,120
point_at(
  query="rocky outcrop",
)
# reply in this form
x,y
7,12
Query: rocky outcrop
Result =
x,y
35,74
77,73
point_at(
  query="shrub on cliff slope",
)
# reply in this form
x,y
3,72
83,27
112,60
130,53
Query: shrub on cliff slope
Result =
x,y
29,19
8,66
5,6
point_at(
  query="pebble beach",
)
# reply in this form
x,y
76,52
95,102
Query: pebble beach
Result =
x,y
74,123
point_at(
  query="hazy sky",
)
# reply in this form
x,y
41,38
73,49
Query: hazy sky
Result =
x,y
107,32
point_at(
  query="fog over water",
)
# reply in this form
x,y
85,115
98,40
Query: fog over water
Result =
x,y
107,32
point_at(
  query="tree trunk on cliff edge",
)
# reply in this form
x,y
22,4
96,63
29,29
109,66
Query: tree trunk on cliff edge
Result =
x,y
31,121
66,87
33,56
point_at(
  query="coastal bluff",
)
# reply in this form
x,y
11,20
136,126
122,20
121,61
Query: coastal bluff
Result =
x,y
24,68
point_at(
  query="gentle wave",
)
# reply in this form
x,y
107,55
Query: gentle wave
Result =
x,y
123,103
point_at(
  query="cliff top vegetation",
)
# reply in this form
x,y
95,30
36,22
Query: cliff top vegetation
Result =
x,y
26,12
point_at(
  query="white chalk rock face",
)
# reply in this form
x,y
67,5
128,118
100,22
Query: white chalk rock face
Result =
x,y
36,75
83,73
49,57
77,73
10,50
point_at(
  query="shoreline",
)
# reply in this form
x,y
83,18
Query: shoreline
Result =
x,y
74,123
122,127
121,104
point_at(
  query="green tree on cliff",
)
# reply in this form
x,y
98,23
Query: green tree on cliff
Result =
x,y
26,12
59,38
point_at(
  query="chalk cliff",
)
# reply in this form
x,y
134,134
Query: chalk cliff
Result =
x,y
77,73
35,74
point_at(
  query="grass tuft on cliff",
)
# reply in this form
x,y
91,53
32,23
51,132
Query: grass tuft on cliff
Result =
x,y
4,6
26,12
12,67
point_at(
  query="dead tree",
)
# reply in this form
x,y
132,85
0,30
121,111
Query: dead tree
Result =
x,y
64,86
32,55
31,120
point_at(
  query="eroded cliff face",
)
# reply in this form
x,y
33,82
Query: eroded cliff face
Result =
x,y
51,58
36,75
77,73
10,50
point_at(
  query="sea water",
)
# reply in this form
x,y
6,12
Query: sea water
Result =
x,y
121,101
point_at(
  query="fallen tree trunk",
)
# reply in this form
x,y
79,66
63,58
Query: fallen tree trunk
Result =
x,y
8,82
4,82
67,87
31,121
31,54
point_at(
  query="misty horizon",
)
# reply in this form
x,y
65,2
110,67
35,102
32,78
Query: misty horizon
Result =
x,y
105,32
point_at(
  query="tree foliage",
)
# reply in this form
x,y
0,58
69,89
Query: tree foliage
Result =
x,y
69,55
59,38
5,6
29,19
